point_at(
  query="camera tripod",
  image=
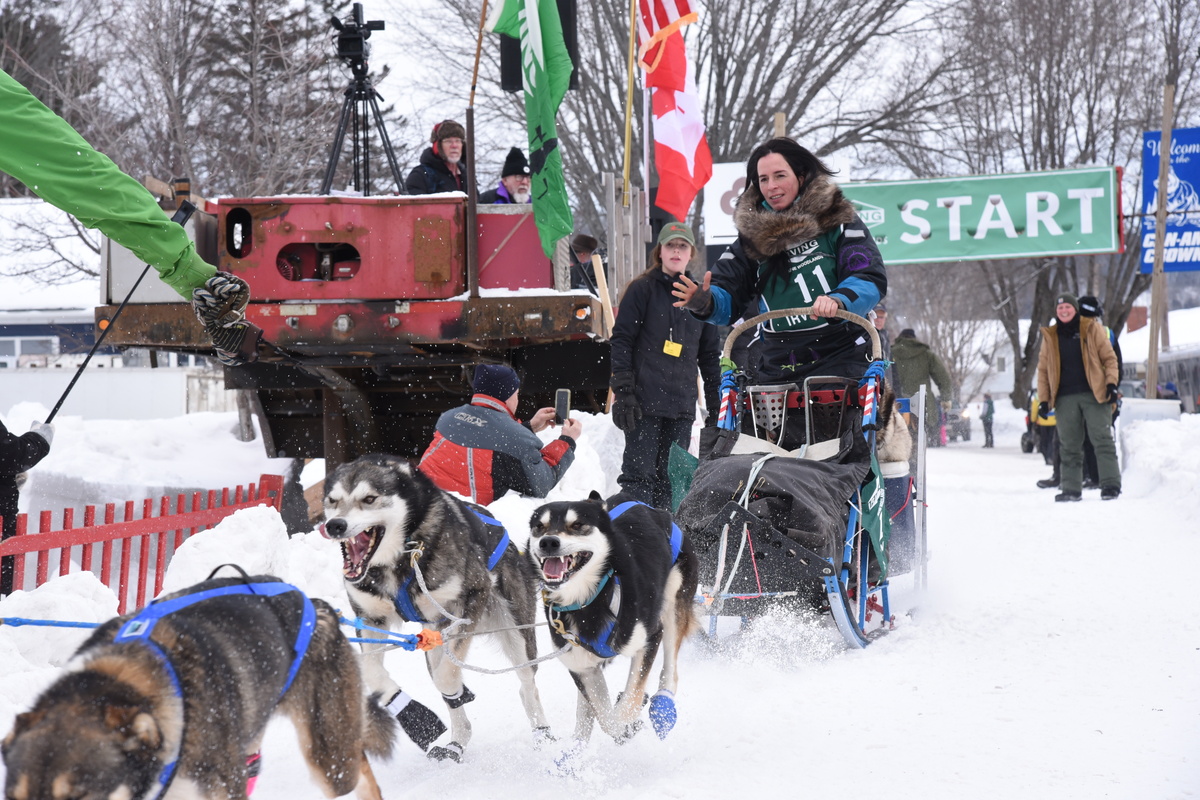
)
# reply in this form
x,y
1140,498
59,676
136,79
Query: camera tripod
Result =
x,y
362,101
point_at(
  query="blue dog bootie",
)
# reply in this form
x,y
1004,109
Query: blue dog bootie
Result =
x,y
662,713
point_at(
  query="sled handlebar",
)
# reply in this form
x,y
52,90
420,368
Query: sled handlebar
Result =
x,y
806,311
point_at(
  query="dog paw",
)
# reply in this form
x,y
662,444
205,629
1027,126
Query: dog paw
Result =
x,y
567,762
542,736
449,752
662,713
630,731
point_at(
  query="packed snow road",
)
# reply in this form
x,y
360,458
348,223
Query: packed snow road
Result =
x,y
1054,655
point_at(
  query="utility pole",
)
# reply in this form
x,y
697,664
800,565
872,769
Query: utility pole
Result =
x,y
1158,279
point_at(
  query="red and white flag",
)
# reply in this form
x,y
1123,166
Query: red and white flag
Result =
x,y
657,20
681,153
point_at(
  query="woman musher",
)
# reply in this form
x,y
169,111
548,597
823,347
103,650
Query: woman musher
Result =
x,y
800,243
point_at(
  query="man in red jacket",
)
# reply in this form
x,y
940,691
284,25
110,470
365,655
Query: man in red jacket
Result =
x,y
481,450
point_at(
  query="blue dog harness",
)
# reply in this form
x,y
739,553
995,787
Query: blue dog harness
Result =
x,y
138,628
404,604
602,644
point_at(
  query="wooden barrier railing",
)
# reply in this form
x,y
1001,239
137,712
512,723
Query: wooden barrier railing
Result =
x,y
162,534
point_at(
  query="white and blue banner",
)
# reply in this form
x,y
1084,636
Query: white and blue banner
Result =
x,y
1181,241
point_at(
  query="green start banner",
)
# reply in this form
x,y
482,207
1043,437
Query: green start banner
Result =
x,y
1016,215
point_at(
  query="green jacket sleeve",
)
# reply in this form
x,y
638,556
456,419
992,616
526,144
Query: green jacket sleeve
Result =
x,y
39,148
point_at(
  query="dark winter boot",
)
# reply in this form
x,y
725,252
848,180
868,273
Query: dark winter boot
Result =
x,y
1049,483
1088,483
1110,492
1068,497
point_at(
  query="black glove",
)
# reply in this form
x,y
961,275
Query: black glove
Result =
x,y
701,302
1044,410
626,410
1112,393
622,383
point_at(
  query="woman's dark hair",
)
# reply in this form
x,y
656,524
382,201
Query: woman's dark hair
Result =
x,y
806,166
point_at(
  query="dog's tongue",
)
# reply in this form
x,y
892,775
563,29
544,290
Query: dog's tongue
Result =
x,y
554,568
357,547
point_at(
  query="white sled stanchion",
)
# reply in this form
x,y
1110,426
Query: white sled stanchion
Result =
x,y
745,553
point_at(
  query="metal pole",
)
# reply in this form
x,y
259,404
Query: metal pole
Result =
x,y
633,10
1158,280
181,215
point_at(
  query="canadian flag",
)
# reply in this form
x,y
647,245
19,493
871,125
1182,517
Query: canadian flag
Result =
x,y
681,152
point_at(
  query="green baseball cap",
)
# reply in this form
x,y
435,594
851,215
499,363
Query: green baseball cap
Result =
x,y
676,230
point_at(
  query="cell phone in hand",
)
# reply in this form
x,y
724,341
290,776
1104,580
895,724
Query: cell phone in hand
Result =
x,y
562,406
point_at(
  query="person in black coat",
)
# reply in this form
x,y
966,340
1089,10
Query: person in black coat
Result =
x,y
17,454
442,168
657,351
583,271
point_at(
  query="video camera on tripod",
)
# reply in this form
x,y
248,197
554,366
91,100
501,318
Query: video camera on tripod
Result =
x,y
352,37
360,104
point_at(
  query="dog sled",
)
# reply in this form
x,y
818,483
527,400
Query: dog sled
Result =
x,y
803,499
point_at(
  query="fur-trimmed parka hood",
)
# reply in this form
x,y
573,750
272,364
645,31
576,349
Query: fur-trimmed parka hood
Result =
x,y
765,232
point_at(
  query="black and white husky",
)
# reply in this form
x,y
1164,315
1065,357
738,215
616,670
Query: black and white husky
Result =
x,y
616,584
398,530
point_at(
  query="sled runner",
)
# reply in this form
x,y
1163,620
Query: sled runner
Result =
x,y
797,502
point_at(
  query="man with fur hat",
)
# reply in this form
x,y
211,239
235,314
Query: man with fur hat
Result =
x,y
442,168
514,182
1077,377
481,450
583,273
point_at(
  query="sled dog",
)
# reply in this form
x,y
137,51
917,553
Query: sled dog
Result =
x,y
169,702
398,530
618,583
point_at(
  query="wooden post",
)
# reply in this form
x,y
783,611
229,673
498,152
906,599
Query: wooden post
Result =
x,y
610,318
780,124
1158,280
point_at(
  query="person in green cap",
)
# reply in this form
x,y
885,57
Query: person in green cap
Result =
x,y
657,352
40,149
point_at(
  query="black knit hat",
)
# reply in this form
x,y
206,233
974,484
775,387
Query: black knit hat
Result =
x,y
496,380
907,333
447,129
1089,306
1067,297
515,164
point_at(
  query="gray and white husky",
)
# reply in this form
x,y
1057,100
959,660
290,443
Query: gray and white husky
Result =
x,y
392,521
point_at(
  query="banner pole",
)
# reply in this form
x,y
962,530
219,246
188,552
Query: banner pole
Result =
x,y
1158,280
629,100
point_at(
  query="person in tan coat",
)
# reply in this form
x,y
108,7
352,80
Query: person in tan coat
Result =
x,y
1077,377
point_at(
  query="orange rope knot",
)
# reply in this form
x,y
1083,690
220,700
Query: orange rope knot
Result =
x,y
427,639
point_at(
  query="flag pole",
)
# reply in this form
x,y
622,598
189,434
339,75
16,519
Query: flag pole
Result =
x,y
478,51
472,237
633,4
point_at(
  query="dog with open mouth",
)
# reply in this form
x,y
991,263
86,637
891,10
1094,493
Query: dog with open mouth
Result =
x,y
616,583
415,553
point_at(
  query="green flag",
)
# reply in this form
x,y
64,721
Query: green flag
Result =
x,y
546,72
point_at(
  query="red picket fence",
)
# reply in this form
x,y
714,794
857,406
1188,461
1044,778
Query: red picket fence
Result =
x,y
156,538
